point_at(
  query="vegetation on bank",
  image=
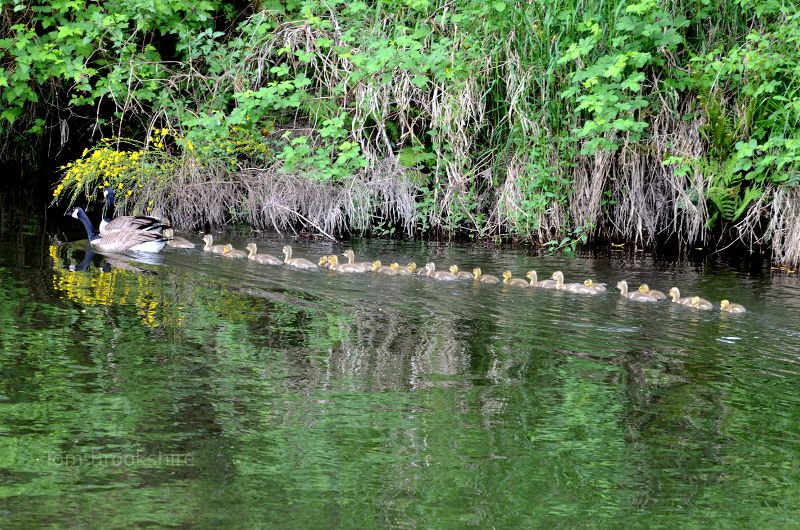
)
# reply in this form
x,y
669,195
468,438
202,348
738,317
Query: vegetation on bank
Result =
x,y
558,121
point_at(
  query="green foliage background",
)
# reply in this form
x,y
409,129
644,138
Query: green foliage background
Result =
x,y
549,120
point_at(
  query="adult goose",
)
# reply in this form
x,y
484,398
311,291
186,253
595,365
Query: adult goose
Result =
x,y
109,225
136,240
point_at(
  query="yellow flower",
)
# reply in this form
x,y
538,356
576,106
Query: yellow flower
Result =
x,y
189,145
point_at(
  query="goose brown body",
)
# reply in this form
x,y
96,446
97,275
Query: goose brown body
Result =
x,y
127,223
116,242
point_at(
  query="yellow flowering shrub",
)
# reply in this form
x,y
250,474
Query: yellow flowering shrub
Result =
x,y
123,163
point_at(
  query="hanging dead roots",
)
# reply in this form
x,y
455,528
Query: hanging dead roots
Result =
x,y
272,199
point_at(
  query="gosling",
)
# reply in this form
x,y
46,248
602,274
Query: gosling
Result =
x,y
513,282
461,275
636,296
727,307
266,259
484,278
229,252
210,247
644,288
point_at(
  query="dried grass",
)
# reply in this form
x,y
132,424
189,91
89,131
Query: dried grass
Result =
x,y
784,226
272,199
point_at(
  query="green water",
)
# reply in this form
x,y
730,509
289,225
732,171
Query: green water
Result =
x,y
197,391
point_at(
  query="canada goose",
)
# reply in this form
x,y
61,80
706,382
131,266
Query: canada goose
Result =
x,y
210,247
266,259
109,225
544,284
675,294
598,287
461,275
441,276
514,282
229,252
579,288
636,296
700,303
484,278
136,240
411,267
333,264
365,266
728,307
297,263
383,269
644,288
176,242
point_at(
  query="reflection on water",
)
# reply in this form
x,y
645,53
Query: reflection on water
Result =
x,y
187,389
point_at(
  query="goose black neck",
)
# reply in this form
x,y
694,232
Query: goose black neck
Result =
x,y
108,212
87,224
